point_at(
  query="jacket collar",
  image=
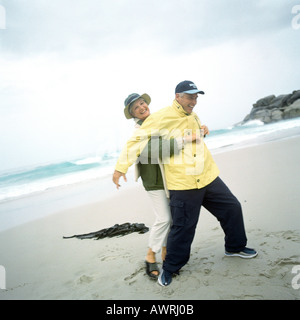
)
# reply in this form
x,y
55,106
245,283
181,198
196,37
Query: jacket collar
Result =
x,y
179,109
138,122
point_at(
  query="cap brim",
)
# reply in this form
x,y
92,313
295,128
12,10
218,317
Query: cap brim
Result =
x,y
193,91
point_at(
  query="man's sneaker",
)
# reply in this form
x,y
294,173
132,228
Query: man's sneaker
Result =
x,y
246,253
164,278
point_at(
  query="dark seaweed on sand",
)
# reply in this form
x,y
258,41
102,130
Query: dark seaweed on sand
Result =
x,y
114,231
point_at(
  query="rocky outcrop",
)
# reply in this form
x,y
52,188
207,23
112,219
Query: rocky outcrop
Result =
x,y
271,108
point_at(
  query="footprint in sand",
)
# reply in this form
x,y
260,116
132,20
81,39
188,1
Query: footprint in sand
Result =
x,y
133,277
84,279
281,267
108,258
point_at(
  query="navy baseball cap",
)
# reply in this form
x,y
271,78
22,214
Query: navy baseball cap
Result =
x,y
187,87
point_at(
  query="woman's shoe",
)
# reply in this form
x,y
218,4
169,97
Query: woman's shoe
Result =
x,y
150,268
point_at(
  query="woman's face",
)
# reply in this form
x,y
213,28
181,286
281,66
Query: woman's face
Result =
x,y
140,109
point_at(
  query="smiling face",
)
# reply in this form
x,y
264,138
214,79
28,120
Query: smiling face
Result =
x,y
187,101
140,109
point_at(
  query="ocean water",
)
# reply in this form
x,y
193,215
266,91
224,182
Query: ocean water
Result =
x,y
28,181
25,182
252,133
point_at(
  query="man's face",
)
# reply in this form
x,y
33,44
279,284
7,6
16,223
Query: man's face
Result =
x,y
187,101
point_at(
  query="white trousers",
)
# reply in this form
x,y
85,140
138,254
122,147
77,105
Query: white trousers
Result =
x,y
160,229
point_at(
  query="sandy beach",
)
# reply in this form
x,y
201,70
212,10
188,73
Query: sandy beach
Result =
x,y
40,264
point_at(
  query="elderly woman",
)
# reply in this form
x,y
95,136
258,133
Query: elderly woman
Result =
x,y
152,175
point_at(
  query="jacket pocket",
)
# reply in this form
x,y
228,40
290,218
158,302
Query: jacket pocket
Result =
x,y
178,212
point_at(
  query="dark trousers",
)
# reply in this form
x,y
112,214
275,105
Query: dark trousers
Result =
x,y
185,211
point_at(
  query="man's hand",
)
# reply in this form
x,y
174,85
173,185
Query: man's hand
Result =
x,y
116,177
205,130
195,137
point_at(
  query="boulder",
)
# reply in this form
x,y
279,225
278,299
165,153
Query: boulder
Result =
x,y
264,101
294,96
276,115
263,115
279,101
292,111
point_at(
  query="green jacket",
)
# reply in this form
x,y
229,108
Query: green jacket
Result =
x,y
148,162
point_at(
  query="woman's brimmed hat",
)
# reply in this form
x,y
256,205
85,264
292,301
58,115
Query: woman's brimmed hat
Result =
x,y
130,99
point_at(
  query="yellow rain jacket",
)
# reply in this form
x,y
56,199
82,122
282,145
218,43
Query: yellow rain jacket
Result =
x,y
192,168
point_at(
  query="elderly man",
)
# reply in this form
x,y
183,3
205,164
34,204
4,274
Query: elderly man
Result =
x,y
192,179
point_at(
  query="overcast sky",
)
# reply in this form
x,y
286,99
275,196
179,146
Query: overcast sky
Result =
x,y
66,67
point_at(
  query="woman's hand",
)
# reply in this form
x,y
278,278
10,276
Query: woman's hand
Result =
x,y
116,177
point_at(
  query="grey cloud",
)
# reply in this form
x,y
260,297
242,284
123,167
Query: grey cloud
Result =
x,y
103,26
